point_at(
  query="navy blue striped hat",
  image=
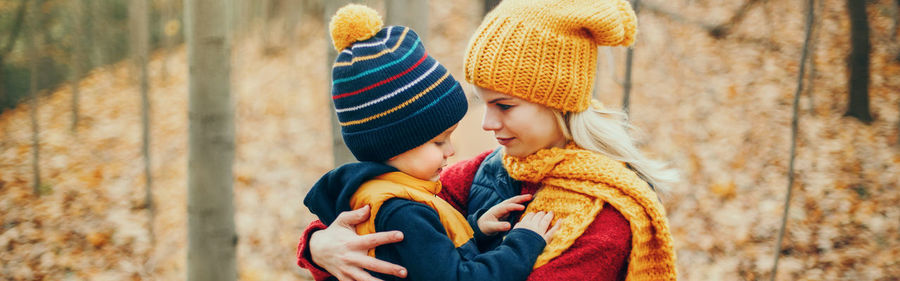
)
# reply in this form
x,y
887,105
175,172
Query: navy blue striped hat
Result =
x,y
389,94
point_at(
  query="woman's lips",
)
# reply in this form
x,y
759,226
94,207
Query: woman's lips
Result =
x,y
504,141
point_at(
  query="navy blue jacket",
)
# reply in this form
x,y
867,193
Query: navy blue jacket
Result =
x,y
426,251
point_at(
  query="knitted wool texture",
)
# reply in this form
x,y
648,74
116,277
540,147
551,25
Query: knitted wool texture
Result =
x,y
545,51
390,96
353,23
576,183
399,185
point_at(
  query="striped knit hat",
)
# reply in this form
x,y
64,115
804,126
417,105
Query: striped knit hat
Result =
x,y
545,51
389,94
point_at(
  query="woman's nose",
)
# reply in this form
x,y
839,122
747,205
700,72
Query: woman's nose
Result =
x,y
490,122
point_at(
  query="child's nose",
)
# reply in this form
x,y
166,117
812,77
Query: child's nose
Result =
x,y
449,151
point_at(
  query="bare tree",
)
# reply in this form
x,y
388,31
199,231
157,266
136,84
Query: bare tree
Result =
x,y
212,238
33,45
896,26
722,30
92,14
858,62
489,5
140,45
718,31
811,62
338,148
896,29
411,13
795,127
10,43
629,57
77,57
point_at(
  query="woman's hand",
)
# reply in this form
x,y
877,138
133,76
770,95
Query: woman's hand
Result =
x,y
344,254
539,222
489,223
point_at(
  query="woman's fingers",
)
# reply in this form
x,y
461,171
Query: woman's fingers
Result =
x,y
373,240
340,251
351,218
356,274
376,265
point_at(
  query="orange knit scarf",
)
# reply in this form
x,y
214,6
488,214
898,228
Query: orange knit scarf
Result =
x,y
576,183
399,185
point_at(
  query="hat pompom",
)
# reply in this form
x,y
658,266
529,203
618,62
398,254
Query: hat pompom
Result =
x,y
353,23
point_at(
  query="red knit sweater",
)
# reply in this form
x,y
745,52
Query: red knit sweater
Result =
x,y
600,253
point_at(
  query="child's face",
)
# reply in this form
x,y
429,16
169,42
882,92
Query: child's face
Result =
x,y
426,161
520,126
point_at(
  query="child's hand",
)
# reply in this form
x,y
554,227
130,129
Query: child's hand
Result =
x,y
490,223
539,222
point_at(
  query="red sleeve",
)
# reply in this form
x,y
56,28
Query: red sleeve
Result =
x,y
601,253
456,180
304,259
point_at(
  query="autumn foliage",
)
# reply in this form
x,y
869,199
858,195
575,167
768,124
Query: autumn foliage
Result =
x,y
717,108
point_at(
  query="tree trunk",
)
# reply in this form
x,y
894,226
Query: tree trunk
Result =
x,y
91,21
811,62
77,64
10,43
722,30
896,29
140,45
489,5
16,29
795,123
411,13
858,61
338,148
2,87
629,58
33,29
212,239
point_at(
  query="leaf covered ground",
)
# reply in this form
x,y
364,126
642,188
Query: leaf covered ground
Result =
x,y
719,110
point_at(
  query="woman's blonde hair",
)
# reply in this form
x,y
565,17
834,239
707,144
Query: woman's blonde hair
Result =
x,y
606,131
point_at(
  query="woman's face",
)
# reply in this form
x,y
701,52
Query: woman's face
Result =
x,y
521,127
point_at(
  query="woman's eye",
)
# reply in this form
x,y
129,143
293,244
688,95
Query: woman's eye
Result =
x,y
439,143
504,106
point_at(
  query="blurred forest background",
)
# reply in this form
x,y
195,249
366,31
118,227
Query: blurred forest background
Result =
x,y
100,89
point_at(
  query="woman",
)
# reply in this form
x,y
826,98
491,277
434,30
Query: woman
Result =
x,y
533,65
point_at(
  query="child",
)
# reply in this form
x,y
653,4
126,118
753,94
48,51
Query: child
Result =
x,y
397,107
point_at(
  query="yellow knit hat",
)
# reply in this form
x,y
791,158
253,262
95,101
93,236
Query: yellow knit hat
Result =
x,y
545,51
